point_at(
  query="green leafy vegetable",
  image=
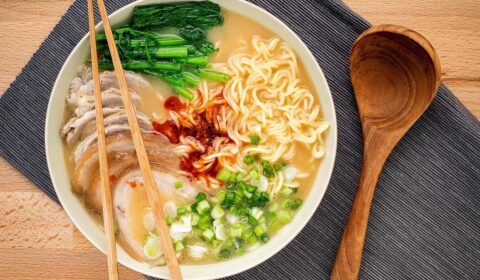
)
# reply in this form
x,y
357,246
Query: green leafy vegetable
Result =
x,y
192,33
203,14
212,75
144,65
177,60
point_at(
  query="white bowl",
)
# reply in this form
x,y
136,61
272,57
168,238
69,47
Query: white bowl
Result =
x,y
92,231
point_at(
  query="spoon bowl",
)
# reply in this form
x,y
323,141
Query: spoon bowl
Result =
x,y
395,74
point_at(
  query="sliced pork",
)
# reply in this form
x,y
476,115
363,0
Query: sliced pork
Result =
x,y
130,201
130,205
120,147
81,98
78,127
129,198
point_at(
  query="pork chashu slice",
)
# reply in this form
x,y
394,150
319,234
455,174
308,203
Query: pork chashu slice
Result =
x,y
120,148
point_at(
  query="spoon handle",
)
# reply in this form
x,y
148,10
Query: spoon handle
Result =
x,y
349,253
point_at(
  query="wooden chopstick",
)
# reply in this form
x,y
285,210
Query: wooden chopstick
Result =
x,y
152,192
102,154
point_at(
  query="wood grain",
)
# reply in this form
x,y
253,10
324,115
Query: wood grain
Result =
x,y
38,240
108,219
154,199
395,75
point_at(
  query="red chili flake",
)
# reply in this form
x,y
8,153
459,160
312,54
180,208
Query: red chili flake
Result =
x,y
204,131
173,103
133,184
112,178
168,129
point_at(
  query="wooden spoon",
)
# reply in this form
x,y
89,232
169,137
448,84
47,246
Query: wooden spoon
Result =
x,y
395,74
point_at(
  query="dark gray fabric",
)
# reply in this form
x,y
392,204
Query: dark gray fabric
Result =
x,y
425,218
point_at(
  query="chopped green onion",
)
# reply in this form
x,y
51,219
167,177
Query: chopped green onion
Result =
x,y
251,220
223,174
254,174
235,231
215,242
221,196
239,251
233,176
152,248
248,159
271,217
242,186
217,212
228,243
237,243
279,166
258,230
292,204
264,237
284,217
273,207
247,232
181,211
236,211
178,245
285,191
251,188
204,222
231,185
170,220
237,200
208,234
229,198
193,207
267,169
178,184
255,140
201,196
203,207
194,219
239,193
257,213
225,253
241,176
252,240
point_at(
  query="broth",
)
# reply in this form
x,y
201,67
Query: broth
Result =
x,y
230,39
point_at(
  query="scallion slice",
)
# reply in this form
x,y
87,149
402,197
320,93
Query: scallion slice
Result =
x,y
208,234
223,174
202,207
217,212
178,184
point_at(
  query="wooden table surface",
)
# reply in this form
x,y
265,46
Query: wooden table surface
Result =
x,y
38,240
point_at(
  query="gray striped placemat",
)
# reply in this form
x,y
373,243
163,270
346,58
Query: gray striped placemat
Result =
x,y
425,218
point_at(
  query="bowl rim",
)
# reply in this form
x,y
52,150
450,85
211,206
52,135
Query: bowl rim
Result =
x,y
304,220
